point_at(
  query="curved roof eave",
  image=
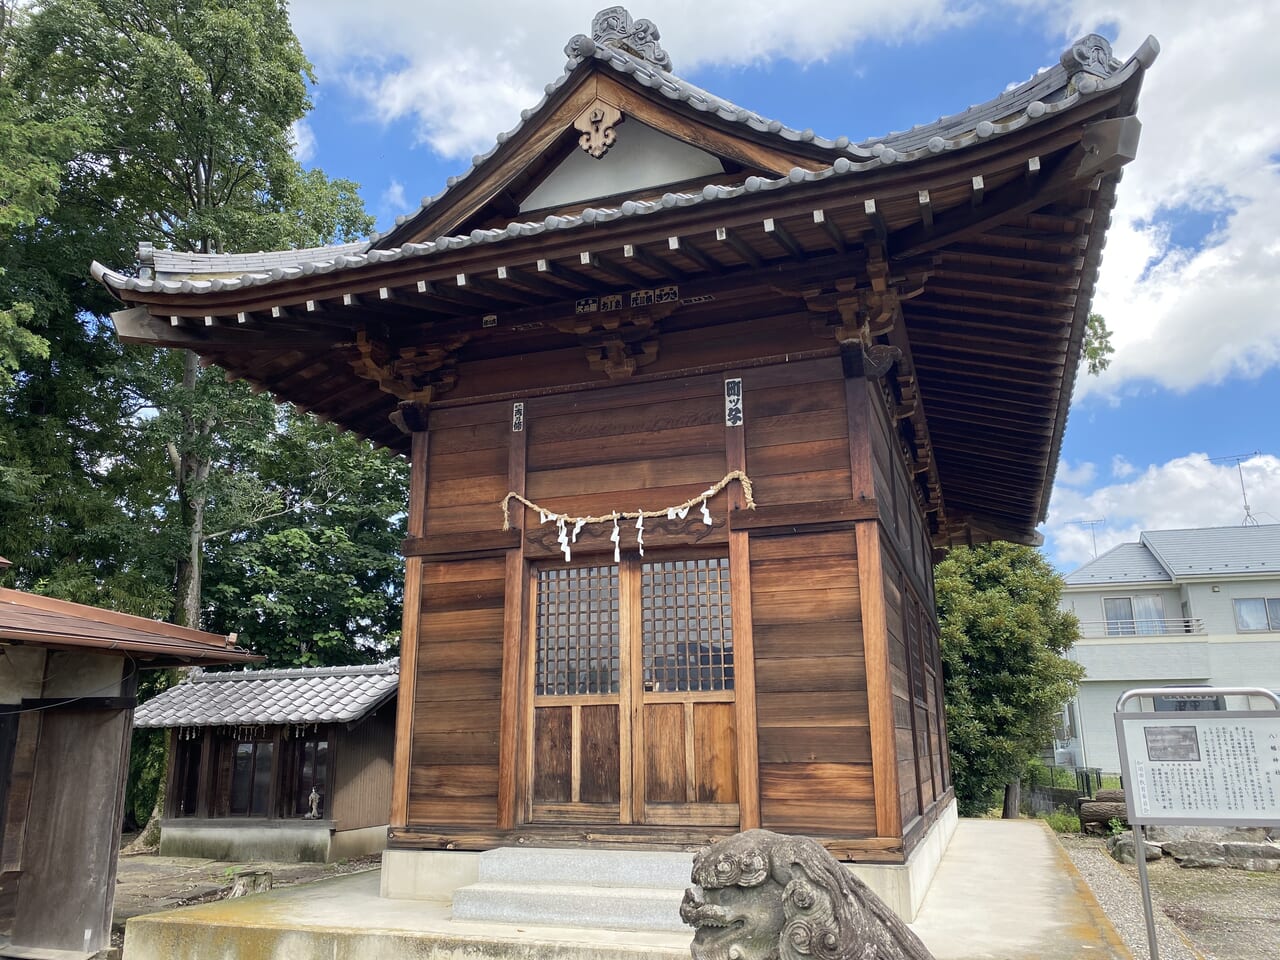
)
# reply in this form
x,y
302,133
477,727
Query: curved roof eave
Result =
x,y
880,155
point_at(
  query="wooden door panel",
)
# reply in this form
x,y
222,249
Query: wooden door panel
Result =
x,y
715,753
599,754
553,754
666,775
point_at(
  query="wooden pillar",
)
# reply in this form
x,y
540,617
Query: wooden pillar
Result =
x,y
875,629
744,658
411,418
510,782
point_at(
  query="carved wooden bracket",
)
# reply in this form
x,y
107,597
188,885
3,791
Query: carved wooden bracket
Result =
x,y
418,374
618,344
596,124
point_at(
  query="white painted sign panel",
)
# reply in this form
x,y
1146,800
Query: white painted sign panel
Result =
x,y
1214,768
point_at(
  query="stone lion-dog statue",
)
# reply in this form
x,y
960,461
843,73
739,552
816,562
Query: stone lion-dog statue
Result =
x,y
766,896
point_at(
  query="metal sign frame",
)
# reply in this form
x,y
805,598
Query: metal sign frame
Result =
x,y
1192,719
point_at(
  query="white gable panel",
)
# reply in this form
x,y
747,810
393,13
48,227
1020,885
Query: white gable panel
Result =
x,y
642,157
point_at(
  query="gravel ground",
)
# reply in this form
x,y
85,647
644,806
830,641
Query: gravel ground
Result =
x,y
1220,914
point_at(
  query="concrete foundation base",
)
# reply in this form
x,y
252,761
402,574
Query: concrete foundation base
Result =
x,y
284,841
436,874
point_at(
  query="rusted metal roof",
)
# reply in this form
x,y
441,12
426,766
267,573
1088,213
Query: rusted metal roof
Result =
x,y
46,622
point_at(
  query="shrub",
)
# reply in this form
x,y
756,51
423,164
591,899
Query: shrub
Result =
x,y
1062,821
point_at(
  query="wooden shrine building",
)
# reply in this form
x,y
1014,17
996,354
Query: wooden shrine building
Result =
x,y
811,363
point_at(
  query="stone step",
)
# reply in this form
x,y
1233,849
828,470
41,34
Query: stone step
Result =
x,y
605,868
570,905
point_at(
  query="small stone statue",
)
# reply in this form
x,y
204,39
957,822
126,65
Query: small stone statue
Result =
x,y
775,897
313,799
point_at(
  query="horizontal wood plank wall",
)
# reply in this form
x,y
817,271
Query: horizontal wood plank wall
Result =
x,y
454,776
915,665
362,771
811,690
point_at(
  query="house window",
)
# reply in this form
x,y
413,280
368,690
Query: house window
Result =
x,y
1256,614
311,772
1139,615
251,778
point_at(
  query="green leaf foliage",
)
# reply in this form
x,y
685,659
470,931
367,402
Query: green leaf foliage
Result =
x,y
125,472
1097,348
1004,642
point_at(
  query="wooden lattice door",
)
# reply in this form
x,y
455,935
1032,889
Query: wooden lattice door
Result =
x,y
633,694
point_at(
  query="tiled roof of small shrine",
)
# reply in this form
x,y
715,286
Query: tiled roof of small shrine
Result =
x,y
252,697
1086,70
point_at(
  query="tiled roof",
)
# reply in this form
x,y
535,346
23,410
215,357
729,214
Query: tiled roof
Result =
x,y
1208,551
1057,89
303,695
1127,563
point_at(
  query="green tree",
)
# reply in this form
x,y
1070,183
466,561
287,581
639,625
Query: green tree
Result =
x,y
1004,642
1096,348
193,102
309,570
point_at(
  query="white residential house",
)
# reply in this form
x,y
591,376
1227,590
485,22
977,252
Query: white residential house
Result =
x,y
1179,607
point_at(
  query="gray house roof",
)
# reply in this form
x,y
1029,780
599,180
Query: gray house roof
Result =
x,y
1127,563
1210,551
1164,556
302,695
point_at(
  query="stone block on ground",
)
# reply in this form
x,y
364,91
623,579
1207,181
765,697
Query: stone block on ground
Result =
x,y
1121,848
1199,849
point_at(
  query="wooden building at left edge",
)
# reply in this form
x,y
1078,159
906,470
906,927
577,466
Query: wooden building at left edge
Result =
x,y
812,363
68,682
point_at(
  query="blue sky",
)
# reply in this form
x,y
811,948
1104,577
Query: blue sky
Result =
x,y
1190,285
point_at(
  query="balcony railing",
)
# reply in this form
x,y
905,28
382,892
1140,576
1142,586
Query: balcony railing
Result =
x,y
1096,629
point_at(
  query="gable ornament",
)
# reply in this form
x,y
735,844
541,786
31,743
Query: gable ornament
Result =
x,y
614,27
597,123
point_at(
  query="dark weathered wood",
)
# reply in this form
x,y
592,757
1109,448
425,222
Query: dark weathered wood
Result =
x,y
666,775
553,756
888,814
600,756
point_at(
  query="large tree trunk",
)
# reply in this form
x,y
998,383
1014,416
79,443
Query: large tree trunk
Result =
x,y
1012,800
191,472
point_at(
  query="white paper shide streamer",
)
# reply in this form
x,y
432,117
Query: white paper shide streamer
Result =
x,y
568,528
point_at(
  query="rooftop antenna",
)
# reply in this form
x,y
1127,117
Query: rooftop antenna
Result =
x,y
1249,519
1093,535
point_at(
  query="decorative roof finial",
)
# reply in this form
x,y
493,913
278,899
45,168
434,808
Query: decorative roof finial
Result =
x,y
613,27
1091,54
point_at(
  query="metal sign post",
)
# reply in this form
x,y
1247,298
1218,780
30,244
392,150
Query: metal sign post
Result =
x,y
1211,768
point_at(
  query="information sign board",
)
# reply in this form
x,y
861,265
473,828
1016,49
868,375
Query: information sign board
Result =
x,y
1213,768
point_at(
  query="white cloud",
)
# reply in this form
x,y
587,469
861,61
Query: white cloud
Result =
x,y
1121,468
464,71
1183,317
1076,474
393,198
304,141
1188,491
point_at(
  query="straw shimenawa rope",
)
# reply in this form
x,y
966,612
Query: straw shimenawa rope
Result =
x,y
703,497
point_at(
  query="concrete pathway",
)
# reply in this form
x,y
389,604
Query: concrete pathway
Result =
x,y
1005,891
